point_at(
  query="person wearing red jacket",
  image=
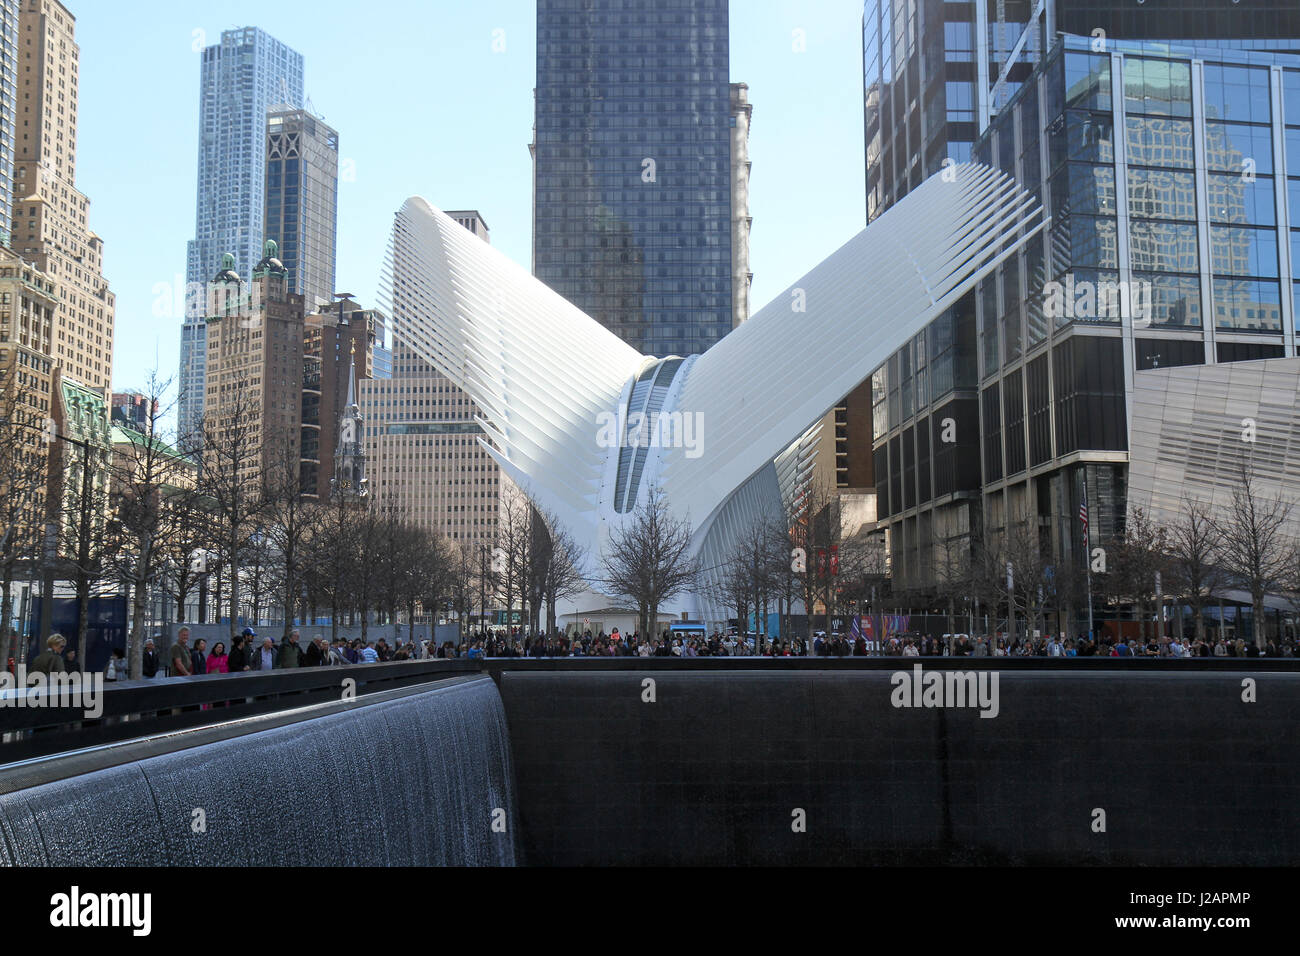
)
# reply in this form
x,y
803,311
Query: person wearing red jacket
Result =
x,y
219,660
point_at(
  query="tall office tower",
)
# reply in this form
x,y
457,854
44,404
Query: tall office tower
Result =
x,y
742,113
9,30
422,443
936,77
49,214
241,79
1172,175
255,364
935,73
632,166
302,192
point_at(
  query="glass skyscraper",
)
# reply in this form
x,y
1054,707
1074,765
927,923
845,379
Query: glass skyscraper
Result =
x,y
1172,175
632,212
241,79
302,192
8,111
935,73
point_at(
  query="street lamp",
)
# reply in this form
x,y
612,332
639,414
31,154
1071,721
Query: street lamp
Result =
x,y
83,546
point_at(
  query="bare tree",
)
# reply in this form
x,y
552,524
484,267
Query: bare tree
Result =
x,y
148,482
952,577
1194,559
511,563
815,538
1255,550
289,524
561,575
184,550
232,457
78,504
1134,557
754,570
648,560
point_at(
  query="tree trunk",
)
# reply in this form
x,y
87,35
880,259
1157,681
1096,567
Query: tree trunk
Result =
x,y
234,596
83,617
7,635
1259,624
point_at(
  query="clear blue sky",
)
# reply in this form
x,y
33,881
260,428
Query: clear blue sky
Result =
x,y
424,106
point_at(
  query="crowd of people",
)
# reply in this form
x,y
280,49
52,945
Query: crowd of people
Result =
x,y
1080,646
249,652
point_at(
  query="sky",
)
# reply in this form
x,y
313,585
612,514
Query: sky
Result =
x,y
424,105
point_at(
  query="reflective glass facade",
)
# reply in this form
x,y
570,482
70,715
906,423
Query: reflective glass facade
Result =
x,y
240,79
8,110
302,189
632,167
936,72
1172,175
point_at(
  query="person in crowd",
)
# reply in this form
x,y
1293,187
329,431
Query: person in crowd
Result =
x,y
263,658
368,654
149,659
218,661
289,652
50,660
237,662
182,662
198,659
117,669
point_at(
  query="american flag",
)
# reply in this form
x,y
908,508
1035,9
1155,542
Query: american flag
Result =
x,y
1083,513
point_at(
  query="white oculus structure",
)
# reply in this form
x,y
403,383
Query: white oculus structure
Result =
x,y
586,425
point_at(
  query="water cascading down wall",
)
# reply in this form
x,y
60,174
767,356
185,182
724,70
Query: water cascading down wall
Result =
x,y
419,778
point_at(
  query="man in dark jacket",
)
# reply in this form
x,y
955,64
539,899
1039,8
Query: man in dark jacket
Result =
x,y
313,656
149,660
289,651
50,660
238,661
263,658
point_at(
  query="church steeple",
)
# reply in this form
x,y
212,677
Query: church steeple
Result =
x,y
350,457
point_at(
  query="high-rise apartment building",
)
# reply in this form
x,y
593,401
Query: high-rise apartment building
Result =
x,y
241,79
422,446
302,191
49,215
633,168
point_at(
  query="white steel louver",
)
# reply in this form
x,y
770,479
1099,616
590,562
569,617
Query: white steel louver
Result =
x,y
544,373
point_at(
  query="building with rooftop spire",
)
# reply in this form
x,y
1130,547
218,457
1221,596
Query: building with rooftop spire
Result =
x,y
350,453
254,385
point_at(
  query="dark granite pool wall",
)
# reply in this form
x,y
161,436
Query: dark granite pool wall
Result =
x,y
410,780
713,771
